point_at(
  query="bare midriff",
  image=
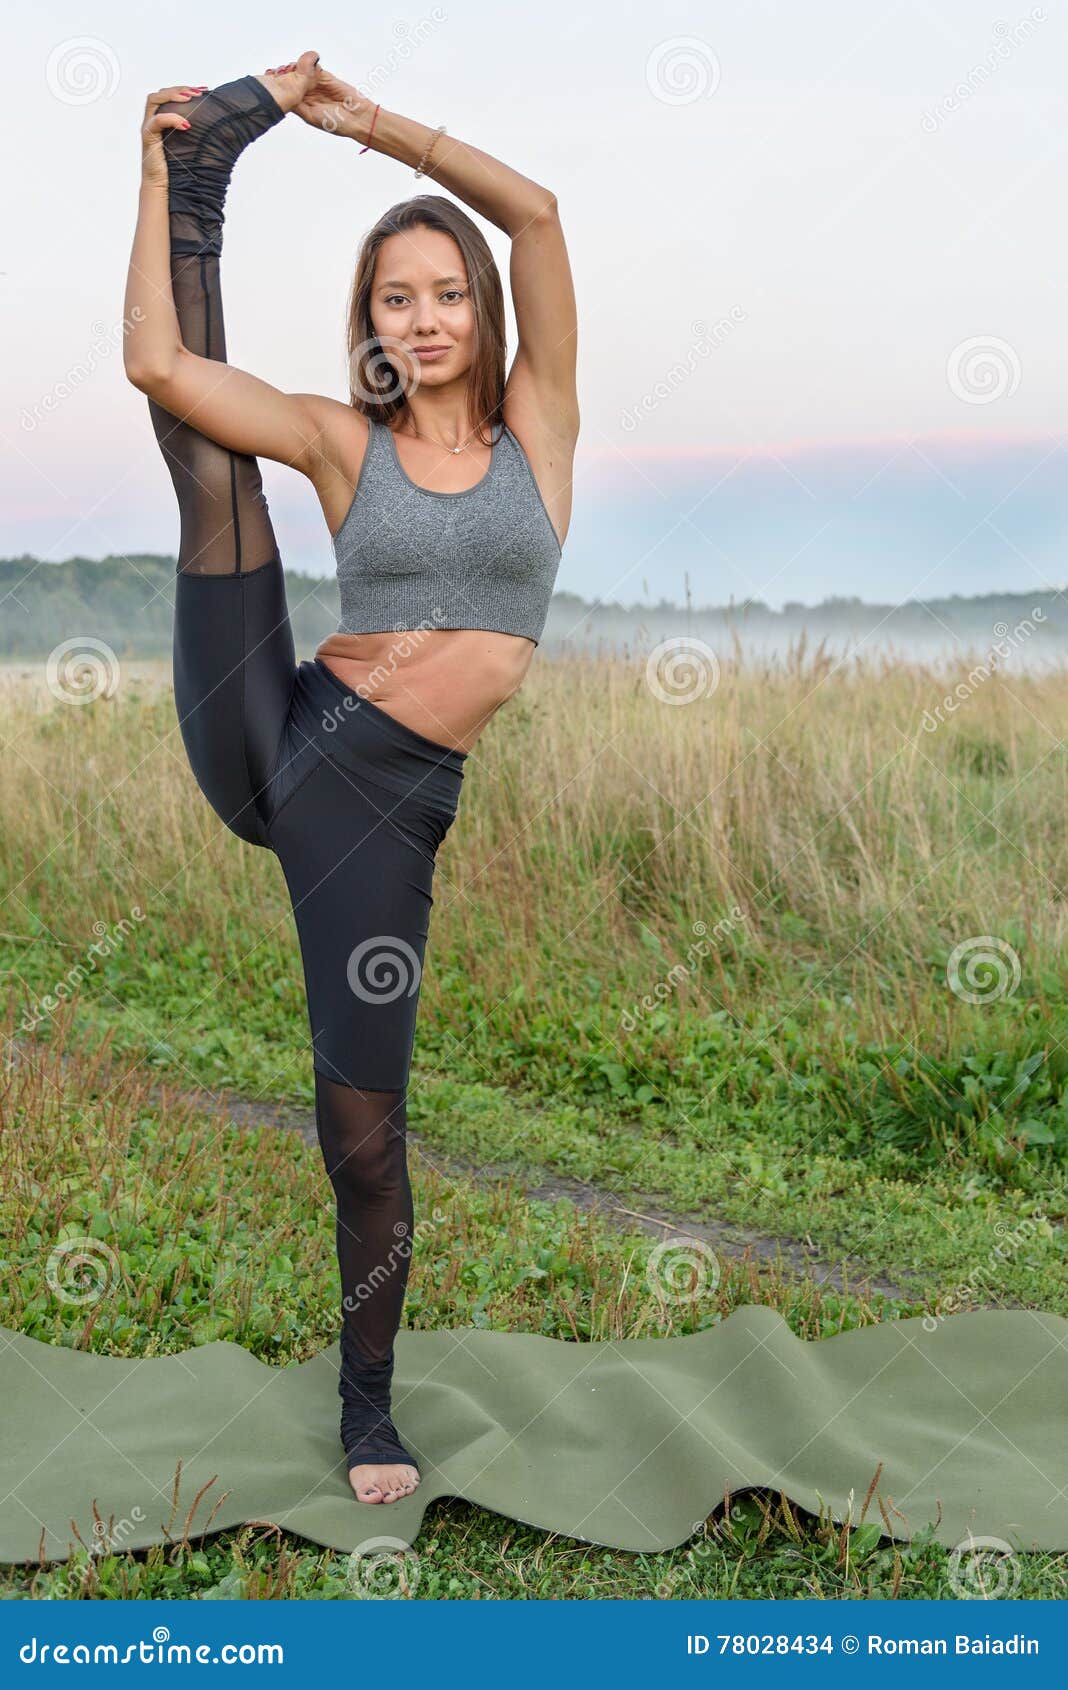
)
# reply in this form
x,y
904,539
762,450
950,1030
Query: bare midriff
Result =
x,y
444,683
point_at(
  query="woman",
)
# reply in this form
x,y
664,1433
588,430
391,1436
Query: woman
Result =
x,y
446,489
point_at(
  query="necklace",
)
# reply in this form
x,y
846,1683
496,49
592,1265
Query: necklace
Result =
x,y
441,443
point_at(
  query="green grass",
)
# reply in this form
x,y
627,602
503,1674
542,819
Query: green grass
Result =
x,y
696,957
247,1255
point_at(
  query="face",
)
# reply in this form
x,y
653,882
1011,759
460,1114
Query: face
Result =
x,y
421,299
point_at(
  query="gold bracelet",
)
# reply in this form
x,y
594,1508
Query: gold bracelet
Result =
x,y
420,169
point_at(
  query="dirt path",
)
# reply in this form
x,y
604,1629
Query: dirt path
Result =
x,y
730,1241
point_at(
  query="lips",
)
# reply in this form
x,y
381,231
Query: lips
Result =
x,y
430,352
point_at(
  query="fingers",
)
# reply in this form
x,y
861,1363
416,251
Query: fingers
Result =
x,y
306,64
183,91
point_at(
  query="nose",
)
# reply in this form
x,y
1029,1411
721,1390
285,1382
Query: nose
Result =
x,y
426,317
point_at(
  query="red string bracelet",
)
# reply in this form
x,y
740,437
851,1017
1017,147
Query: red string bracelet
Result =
x,y
370,132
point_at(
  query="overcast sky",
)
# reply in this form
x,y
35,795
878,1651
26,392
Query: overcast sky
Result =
x,y
805,238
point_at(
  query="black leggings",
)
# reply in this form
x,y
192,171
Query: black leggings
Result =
x,y
353,802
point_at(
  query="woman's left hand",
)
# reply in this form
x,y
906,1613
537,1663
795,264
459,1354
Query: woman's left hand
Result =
x,y
335,107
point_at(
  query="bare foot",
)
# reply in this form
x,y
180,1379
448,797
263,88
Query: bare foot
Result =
x,y
385,1483
291,84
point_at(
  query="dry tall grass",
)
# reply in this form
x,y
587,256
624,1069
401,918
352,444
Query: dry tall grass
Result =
x,y
598,825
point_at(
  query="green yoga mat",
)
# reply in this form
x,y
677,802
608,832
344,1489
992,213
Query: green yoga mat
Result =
x,y
628,1444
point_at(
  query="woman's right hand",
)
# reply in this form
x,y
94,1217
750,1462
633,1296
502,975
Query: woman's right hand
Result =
x,y
155,124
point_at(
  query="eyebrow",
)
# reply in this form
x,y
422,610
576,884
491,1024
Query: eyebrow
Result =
x,y
394,283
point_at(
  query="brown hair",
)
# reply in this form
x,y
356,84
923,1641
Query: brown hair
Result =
x,y
374,389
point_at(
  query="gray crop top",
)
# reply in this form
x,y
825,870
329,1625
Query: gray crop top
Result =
x,y
407,557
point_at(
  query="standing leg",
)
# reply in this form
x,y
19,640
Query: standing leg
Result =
x,y
360,876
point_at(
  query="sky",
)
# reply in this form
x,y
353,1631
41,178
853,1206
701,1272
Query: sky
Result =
x,y
818,250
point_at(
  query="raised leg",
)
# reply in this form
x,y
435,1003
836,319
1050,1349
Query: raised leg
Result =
x,y
234,657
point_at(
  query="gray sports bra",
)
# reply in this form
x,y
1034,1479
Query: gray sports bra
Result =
x,y
409,558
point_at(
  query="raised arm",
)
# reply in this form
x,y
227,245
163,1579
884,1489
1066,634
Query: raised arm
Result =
x,y
542,377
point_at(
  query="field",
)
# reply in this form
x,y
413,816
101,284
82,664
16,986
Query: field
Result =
x,y
781,966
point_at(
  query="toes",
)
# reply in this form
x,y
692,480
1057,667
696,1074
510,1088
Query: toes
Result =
x,y
384,1484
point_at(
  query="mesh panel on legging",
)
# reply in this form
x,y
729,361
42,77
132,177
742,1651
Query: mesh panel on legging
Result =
x,y
362,1135
225,526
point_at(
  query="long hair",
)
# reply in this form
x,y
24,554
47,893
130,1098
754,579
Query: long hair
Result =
x,y
375,390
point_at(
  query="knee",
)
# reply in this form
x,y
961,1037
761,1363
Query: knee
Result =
x,y
366,1160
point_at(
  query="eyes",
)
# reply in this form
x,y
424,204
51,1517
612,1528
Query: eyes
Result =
x,y
451,296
